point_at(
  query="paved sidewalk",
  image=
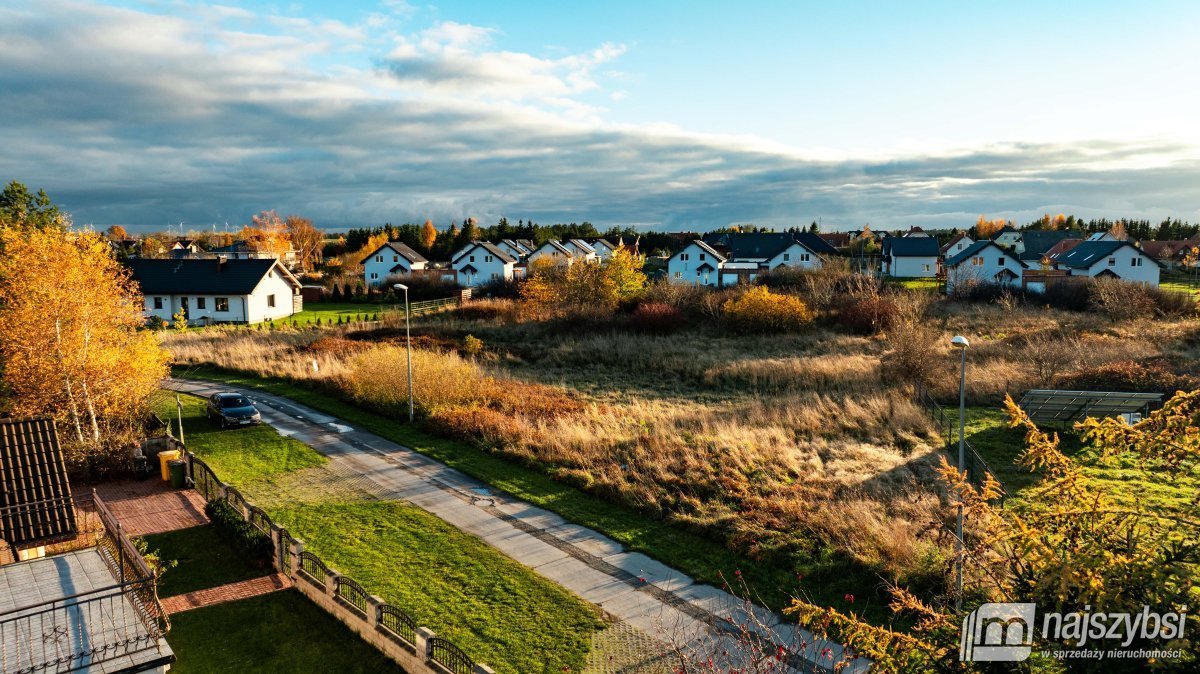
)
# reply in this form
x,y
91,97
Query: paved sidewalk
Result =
x,y
642,592
225,593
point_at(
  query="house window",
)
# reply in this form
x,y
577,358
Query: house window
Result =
x,y
200,302
999,262
678,274
374,275
271,301
977,261
702,257
1112,261
472,258
787,256
803,257
158,303
379,258
495,276
924,267
1135,262
222,304
683,256
487,258
395,258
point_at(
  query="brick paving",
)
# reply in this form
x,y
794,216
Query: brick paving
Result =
x,y
226,593
151,506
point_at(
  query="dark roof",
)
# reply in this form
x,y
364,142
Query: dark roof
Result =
x,y
815,243
604,242
1007,229
554,244
756,245
582,245
235,247
203,275
1038,242
911,246
975,249
706,248
35,497
951,242
468,270
1088,253
401,249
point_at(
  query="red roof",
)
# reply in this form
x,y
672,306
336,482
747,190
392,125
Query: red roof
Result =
x,y
1062,247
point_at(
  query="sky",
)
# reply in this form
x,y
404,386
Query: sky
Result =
x,y
670,115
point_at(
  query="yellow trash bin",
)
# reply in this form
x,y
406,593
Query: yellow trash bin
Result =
x,y
164,458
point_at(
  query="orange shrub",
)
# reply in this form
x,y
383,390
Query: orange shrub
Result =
x,y
760,310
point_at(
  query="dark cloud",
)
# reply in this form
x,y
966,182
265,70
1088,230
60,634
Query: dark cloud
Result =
x,y
145,120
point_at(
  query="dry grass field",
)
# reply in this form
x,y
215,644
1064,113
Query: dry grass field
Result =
x,y
802,450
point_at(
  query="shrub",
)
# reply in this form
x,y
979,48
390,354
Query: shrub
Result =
x,y
472,345
1129,376
487,310
1121,300
238,532
760,310
870,315
657,318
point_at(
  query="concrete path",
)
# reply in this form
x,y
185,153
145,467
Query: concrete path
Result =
x,y
641,592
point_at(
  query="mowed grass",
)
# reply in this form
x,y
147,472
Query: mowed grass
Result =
x,y
774,582
332,312
500,612
277,632
925,284
239,454
204,559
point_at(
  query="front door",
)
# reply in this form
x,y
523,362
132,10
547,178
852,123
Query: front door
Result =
x,y
183,306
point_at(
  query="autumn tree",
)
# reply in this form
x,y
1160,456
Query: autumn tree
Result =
x,y
268,234
429,235
1118,231
306,240
986,229
70,340
116,233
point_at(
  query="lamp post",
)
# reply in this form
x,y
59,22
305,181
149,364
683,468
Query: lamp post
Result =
x,y
408,341
961,344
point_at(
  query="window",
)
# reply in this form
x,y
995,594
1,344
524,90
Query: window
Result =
x,y
683,256
495,276
924,267
395,258
678,274
271,301
977,261
374,275
702,257
472,258
379,258
999,262
1135,262
487,258
787,256
803,257
200,302
1112,261
158,303
222,304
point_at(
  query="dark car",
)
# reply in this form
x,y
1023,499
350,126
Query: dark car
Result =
x,y
232,409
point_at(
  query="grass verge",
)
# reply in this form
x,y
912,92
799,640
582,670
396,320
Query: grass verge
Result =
x,y
277,632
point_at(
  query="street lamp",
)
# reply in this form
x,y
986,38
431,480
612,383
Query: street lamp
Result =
x,y
961,343
408,339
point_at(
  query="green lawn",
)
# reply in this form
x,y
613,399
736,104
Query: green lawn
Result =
x,y
927,284
1180,282
331,312
204,560
244,454
495,609
826,580
277,632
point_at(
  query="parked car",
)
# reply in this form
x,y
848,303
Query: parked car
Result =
x,y
231,410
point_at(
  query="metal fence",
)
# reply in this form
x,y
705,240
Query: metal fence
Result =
x,y
977,468
390,621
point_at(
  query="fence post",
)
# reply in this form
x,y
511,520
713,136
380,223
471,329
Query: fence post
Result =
x,y
423,635
331,583
373,604
277,543
297,549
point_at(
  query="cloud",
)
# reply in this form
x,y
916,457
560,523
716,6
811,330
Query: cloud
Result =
x,y
146,119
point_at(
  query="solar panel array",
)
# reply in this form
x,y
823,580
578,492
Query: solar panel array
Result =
x,y
1048,406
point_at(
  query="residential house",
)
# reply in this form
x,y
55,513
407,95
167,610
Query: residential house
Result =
x,y
216,290
482,262
1010,237
391,259
514,248
1035,243
1058,250
36,507
185,248
836,239
915,232
633,249
551,252
983,262
1110,259
603,248
1173,254
697,263
910,256
956,245
1102,236
581,250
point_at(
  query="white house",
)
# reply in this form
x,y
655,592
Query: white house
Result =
x,y
984,262
1110,259
185,248
581,249
915,232
216,290
956,245
696,264
482,262
603,248
391,259
514,248
910,256
552,251
1010,238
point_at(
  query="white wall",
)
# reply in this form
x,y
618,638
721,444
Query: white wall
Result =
x,y
1012,241
914,267
513,251
580,253
682,266
796,256
993,262
603,252
197,316
258,301
1123,266
550,253
378,267
959,246
488,265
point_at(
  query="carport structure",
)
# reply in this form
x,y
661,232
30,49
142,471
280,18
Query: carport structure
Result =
x,y
1065,407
